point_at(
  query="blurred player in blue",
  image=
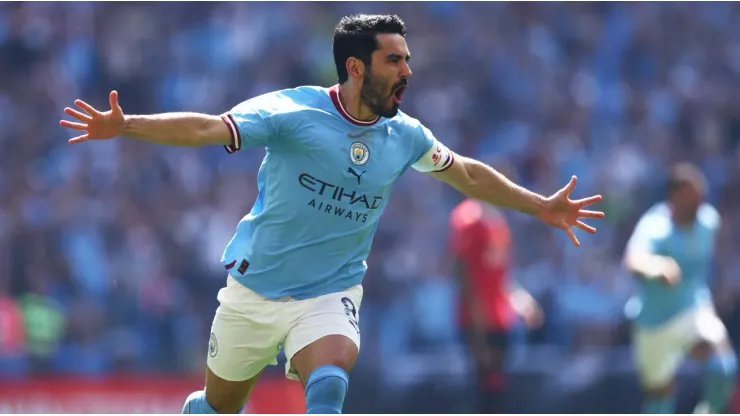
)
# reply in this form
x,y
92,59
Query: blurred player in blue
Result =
x,y
296,262
671,251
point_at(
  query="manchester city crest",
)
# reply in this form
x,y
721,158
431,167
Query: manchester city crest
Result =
x,y
359,153
212,345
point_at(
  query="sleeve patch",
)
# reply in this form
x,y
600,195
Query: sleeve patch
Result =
x,y
436,159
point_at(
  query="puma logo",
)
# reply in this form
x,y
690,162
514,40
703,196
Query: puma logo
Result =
x,y
356,175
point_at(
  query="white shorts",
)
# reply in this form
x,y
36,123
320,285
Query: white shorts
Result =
x,y
249,330
660,351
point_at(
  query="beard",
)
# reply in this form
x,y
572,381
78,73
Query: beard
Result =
x,y
375,94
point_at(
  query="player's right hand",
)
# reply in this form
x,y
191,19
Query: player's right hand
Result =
x,y
670,272
95,124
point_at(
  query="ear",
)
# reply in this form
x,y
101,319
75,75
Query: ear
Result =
x,y
355,67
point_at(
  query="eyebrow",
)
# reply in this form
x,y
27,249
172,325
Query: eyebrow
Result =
x,y
397,56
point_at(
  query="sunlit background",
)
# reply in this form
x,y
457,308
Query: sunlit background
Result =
x,y
109,252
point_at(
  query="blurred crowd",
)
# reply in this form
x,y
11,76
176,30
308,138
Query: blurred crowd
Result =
x,y
109,251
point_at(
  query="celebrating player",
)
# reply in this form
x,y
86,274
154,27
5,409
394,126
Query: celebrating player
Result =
x,y
671,251
296,262
481,244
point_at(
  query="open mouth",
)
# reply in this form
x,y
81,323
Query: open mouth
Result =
x,y
398,94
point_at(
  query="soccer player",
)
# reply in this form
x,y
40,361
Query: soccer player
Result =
x,y
671,252
296,262
490,301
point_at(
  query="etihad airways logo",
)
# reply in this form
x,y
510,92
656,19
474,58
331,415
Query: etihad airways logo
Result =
x,y
339,200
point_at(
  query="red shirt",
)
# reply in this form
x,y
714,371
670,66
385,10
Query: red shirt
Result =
x,y
481,239
12,333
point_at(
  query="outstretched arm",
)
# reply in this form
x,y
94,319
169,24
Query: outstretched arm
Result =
x,y
178,129
172,129
477,180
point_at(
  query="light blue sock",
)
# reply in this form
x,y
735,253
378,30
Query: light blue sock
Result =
x,y
197,404
659,405
720,381
325,390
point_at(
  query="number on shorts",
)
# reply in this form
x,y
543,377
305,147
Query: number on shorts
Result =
x,y
351,311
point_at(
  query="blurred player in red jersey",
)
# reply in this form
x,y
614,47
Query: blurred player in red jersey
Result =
x,y
490,301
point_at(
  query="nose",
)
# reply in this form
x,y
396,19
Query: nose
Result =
x,y
406,70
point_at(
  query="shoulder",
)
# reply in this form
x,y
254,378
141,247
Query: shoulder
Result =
x,y
709,216
414,132
661,209
286,101
307,95
405,122
428,153
656,221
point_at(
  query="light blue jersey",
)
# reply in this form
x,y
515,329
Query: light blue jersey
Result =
x,y
691,247
323,184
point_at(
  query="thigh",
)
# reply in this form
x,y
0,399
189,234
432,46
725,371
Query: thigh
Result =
x,y
227,396
706,334
658,355
245,335
325,332
240,347
488,350
498,345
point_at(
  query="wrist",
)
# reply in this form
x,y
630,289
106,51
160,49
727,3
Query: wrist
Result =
x,y
537,206
127,127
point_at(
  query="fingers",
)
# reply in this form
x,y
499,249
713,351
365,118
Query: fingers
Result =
x,y
585,227
584,213
113,101
567,189
76,114
73,126
87,107
572,236
670,280
580,203
79,139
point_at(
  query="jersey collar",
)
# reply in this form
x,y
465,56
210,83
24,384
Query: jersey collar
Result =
x,y
334,94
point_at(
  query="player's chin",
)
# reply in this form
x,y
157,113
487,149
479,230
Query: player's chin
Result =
x,y
389,111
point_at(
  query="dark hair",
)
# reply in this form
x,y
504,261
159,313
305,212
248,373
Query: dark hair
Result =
x,y
683,174
354,36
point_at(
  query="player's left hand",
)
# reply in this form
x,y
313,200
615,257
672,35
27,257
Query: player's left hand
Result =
x,y
562,212
533,315
527,308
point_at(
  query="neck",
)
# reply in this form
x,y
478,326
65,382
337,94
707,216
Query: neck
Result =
x,y
682,220
349,95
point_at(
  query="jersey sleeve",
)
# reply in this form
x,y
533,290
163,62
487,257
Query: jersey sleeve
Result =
x,y
433,156
252,122
646,234
710,217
